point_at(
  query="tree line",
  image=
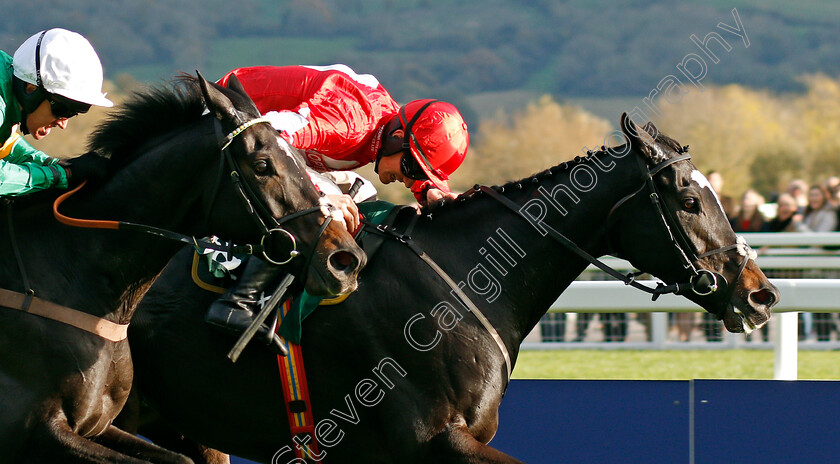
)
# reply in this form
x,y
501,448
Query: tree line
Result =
x,y
451,48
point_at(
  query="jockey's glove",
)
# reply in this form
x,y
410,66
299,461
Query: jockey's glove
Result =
x,y
88,166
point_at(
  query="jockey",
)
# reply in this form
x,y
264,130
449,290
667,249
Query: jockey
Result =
x,y
54,75
343,120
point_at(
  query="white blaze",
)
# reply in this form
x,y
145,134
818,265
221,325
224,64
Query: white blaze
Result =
x,y
701,180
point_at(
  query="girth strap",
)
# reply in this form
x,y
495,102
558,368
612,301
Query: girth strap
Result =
x,y
465,300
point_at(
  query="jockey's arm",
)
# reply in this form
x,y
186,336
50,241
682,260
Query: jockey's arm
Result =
x,y
335,185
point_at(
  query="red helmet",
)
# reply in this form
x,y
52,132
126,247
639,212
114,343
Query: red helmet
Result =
x,y
437,136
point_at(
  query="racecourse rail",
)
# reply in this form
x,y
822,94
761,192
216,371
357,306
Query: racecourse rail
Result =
x,y
816,254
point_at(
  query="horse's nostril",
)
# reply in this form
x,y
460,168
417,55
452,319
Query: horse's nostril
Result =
x,y
344,261
763,297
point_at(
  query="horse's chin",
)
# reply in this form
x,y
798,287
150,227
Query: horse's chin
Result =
x,y
319,285
736,321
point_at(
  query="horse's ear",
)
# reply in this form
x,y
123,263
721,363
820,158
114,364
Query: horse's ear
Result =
x,y
651,129
216,101
234,84
637,137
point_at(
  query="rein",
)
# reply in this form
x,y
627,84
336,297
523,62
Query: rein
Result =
x,y
702,282
108,330
260,213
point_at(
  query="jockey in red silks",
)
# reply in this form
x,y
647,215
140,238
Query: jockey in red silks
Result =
x,y
343,120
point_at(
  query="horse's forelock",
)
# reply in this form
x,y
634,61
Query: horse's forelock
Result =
x,y
672,144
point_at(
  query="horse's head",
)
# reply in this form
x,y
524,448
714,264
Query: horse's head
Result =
x,y
270,175
674,227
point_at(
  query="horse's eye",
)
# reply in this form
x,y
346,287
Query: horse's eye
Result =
x,y
690,204
261,166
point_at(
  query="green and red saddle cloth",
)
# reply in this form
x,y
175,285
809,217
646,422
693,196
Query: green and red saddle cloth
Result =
x,y
207,274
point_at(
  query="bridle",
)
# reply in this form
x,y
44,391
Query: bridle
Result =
x,y
701,282
254,204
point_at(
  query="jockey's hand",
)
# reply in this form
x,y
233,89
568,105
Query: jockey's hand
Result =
x,y
433,195
88,166
348,209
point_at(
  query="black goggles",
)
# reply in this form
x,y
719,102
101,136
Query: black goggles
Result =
x,y
410,168
63,107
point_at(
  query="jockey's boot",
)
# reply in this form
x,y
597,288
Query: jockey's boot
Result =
x,y
235,310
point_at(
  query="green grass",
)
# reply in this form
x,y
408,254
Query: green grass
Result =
x,y
669,365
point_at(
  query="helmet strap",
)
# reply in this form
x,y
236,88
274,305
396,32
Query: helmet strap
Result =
x,y
409,134
30,101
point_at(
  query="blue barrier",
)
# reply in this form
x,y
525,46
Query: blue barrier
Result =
x,y
546,421
699,421
692,422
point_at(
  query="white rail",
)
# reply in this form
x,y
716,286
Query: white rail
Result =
x,y
797,295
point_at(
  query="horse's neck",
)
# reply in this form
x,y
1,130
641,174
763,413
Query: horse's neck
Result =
x,y
515,269
160,190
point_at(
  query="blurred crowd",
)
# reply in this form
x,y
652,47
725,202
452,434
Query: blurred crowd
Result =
x,y
800,208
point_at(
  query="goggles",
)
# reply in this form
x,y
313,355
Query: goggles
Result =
x,y
63,107
410,168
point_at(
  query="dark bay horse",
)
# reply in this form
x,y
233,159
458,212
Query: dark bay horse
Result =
x,y
401,372
60,386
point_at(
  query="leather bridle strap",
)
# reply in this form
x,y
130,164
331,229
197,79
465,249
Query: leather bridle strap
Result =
x,y
254,204
130,226
572,246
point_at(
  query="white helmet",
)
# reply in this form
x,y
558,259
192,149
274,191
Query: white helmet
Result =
x,y
68,66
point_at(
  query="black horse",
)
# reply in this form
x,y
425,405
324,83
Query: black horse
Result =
x,y
60,386
401,371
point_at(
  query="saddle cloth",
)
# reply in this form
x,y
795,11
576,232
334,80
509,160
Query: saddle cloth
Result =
x,y
207,275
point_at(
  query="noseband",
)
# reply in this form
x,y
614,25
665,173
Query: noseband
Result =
x,y
701,282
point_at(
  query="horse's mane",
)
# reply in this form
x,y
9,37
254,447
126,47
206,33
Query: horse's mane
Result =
x,y
148,113
564,166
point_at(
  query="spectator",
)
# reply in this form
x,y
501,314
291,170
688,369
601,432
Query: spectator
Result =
x,y
819,214
784,221
785,215
749,218
798,189
614,326
832,184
